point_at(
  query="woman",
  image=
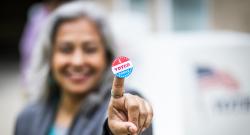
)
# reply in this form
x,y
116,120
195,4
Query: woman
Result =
x,y
71,64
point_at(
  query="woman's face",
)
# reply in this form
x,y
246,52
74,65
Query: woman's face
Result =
x,y
78,60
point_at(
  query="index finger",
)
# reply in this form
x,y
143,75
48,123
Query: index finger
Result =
x,y
117,87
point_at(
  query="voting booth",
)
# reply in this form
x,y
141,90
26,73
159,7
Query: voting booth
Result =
x,y
198,83
215,85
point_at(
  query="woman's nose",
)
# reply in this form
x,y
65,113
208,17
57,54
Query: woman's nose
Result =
x,y
78,58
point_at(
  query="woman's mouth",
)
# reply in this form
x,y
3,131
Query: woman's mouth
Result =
x,y
79,77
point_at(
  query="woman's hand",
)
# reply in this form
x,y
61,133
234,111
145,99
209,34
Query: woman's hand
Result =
x,y
128,114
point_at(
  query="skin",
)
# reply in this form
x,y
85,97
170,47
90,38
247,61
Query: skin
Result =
x,y
78,63
128,114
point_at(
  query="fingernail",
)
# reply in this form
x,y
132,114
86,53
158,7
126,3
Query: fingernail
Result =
x,y
130,129
143,129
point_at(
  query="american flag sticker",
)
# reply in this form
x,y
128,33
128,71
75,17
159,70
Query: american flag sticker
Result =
x,y
209,78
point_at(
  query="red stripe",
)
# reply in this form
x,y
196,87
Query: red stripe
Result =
x,y
120,60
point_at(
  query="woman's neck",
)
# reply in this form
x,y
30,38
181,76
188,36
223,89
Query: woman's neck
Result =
x,y
70,103
68,107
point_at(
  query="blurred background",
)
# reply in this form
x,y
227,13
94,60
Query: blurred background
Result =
x,y
191,59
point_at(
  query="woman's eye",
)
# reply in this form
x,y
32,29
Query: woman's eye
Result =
x,y
65,48
90,48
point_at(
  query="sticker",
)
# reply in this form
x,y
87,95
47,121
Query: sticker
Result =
x,y
122,67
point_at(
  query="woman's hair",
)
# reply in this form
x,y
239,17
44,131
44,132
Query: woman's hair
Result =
x,y
39,75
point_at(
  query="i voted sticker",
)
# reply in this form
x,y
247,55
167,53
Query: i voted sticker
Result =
x,y
122,67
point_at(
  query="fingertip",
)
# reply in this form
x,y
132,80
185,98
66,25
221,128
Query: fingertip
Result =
x,y
143,129
132,128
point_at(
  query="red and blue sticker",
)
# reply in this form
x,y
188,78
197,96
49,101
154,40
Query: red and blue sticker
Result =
x,y
122,67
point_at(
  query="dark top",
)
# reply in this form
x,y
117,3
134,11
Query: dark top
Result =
x,y
38,118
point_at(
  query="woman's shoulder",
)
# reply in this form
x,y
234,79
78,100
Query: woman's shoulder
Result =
x,y
30,110
27,117
30,113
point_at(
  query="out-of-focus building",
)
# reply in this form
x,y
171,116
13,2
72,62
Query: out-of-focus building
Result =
x,y
183,15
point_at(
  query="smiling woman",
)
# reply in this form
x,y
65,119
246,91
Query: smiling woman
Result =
x,y
78,60
71,70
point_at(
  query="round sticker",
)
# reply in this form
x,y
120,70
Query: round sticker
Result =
x,y
122,67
